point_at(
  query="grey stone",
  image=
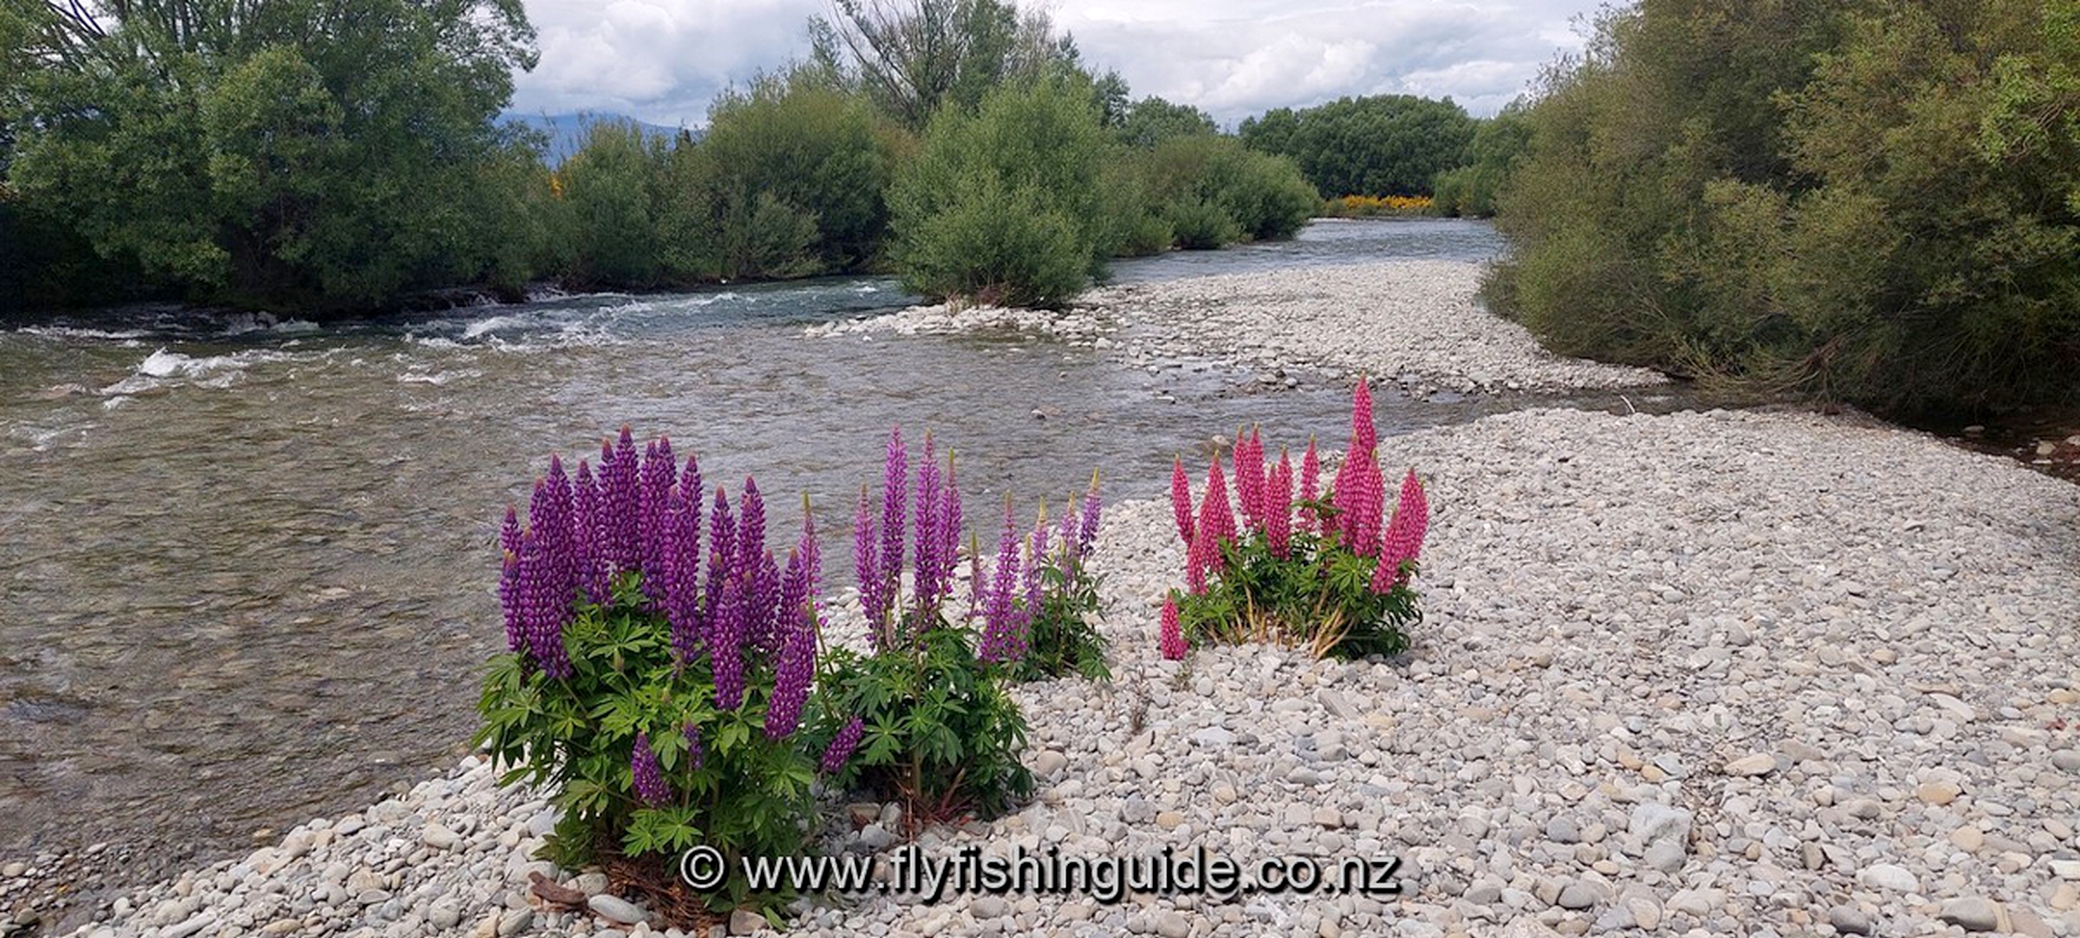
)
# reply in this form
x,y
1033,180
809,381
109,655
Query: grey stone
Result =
x,y
616,909
1972,914
1849,920
745,922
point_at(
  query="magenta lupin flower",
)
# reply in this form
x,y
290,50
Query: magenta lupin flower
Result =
x,y
1278,507
1364,433
1402,542
840,750
1310,488
1361,499
1249,478
650,786
1200,559
1216,510
1181,500
895,490
1170,638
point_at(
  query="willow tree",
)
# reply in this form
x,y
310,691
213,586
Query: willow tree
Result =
x,y
325,155
912,56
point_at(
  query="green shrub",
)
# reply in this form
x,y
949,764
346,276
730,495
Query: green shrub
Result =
x,y
1215,191
1200,225
1380,145
821,153
1871,203
1004,205
1061,599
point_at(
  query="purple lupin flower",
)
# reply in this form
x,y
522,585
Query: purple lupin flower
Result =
x,y
1036,556
650,786
751,524
509,529
621,502
894,491
928,535
543,612
1000,639
866,570
1087,530
948,552
842,745
791,675
721,556
726,640
682,592
658,477
550,516
592,569
695,755
509,600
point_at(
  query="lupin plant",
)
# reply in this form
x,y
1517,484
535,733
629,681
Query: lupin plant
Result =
x,y
1303,566
656,681
929,709
1062,596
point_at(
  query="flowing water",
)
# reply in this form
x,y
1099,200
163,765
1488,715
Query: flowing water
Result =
x,y
246,564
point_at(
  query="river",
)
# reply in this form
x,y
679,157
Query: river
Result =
x,y
247,562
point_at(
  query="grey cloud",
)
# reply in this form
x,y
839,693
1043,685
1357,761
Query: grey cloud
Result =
x,y
663,60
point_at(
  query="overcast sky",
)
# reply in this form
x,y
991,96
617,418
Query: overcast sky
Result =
x,y
663,60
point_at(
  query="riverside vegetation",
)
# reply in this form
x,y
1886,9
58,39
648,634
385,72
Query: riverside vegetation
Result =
x,y
1871,202
665,691
199,149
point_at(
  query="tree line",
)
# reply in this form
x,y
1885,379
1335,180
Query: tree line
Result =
x,y
344,158
1875,201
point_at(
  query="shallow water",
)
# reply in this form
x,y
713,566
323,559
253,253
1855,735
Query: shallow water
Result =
x,y
248,564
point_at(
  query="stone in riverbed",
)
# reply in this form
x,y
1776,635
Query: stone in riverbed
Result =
x,y
1973,914
616,909
745,922
1849,920
1749,766
1889,877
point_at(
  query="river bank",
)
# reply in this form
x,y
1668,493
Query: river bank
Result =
x,y
1690,673
1695,671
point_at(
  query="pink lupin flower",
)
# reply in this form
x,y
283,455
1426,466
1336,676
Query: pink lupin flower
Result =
x,y
1278,507
1310,488
1216,510
1364,434
1181,501
1249,477
1171,638
1402,542
1201,557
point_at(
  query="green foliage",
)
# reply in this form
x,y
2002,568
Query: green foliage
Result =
x,y
1380,145
610,210
1062,638
1214,191
1469,190
818,154
1872,203
1152,120
1319,595
745,795
943,733
1003,206
288,153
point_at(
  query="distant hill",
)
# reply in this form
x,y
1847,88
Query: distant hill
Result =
x,y
567,131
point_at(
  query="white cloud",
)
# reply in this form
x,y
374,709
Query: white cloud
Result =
x,y
663,60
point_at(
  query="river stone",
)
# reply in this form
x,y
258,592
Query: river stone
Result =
x,y
1849,920
1754,764
745,922
1576,895
616,909
1973,914
1889,877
